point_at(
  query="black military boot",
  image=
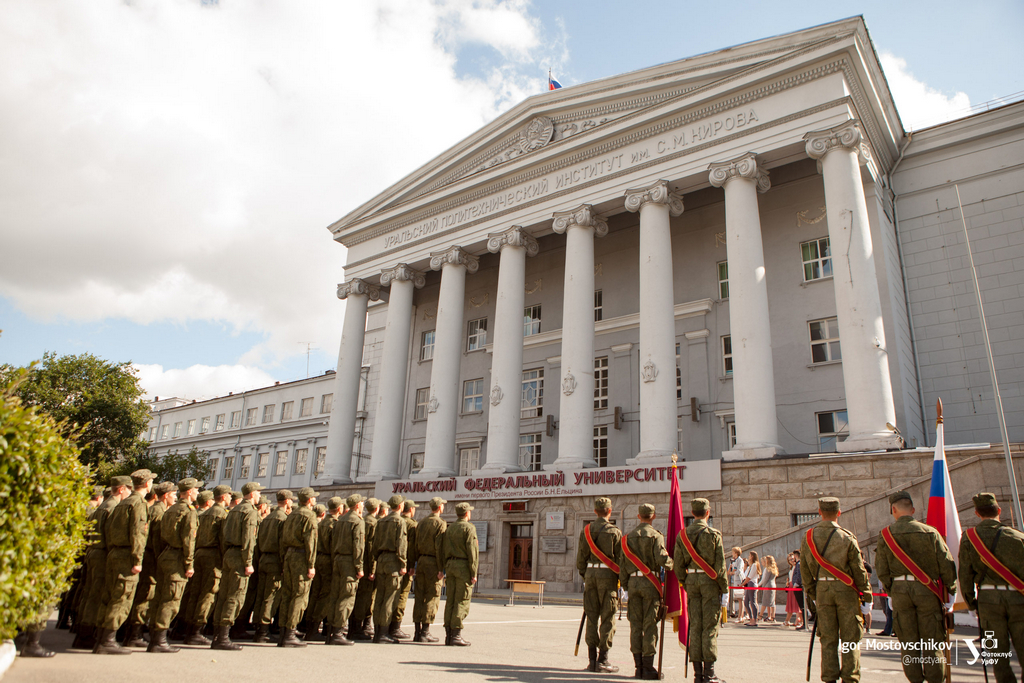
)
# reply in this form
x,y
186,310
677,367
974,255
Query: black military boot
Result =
x,y
222,639
417,636
338,638
457,638
85,638
368,628
262,634
32,648
639,666
396,632
698,672
650,671
709,673
328,632
602,664
381,635
135,637
194,636
447,635
311,632
290,638
158,643
106,644
592,655
425,634
238,631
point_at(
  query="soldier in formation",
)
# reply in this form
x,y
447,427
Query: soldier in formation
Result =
x,y
598,561
209,561
428,570
238,537
643,557
390,548
458,552
405,585
320,589
348,547
176,563
298,543
270,569
360,627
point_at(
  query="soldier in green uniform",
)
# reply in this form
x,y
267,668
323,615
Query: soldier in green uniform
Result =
x,y
127,528
705,596
166,496
209,558
999,605
645,606
428,583
181,629
409,517
94,594
838,608
269,540
298,543
348,545
236,498
918,614
600,583
238,538
390,550
458,551
175,564
320,591
239,630
359,627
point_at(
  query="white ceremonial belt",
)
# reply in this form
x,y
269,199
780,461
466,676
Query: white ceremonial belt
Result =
x,y
905,577
637,574
595,565
989,586
694,571
828,578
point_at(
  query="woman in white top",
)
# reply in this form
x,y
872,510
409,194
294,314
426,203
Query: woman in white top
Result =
x,y
749,583
736,570
767,597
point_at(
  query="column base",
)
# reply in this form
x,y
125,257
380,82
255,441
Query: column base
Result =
x,y
760,453
870,442
434,474
652,456
569,464
372,477
496,468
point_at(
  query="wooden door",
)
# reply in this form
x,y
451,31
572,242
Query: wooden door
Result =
x,y
520,552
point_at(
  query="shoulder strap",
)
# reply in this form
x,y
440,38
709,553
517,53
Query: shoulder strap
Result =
x,y
823,563
640,565
991,547
989,558
605,560
701,562
934,585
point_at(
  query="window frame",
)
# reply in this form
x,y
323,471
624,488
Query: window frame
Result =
x,y
165,431
477,398
414,460
427,350
281,464
219,422
726,347
598,305
236,419
327,403
252,417
822,263
320,462
177,429
422,404
537,408
301,461
531,451
832,345
243,466
211,468
601,383
306,407
229,467
836,436
601,445
204,426
476,338
268,413
191,428
723,282
286,410
531,320
262,462
467,466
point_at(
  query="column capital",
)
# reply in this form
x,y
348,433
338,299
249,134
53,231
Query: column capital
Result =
x,y
455,256
515,236
402,272
358,286
582,216
658,193
744,166
847,135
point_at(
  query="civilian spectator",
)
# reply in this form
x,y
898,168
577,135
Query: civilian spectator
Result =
x,y
735,571
798,582
792,608
750,580
766,598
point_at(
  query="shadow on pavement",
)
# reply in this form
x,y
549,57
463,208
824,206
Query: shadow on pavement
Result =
x,y
527,674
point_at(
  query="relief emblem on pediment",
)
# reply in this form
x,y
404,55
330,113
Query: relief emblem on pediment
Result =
x,y
537,134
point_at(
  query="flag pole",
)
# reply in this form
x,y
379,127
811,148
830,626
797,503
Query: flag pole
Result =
x,y
1017,520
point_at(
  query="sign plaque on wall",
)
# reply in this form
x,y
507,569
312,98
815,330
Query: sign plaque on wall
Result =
x,y
552,544
555,520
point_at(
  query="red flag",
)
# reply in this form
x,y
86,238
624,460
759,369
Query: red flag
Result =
x,y
675,596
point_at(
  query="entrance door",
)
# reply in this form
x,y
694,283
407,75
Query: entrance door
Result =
x,y
520,552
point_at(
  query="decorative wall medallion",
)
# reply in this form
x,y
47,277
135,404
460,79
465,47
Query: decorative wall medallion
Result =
x,y
427,315
433,405
801,217
477,302
496,395
537,134
649,371
568,384
537,286
720,239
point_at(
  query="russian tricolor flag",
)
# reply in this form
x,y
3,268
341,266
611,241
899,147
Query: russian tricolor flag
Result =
x,y
552,83
942,512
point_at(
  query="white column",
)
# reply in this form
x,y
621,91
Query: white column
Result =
x,y
753,377
388,420
357,294
840,151
576,418
443,411
515,244
658,403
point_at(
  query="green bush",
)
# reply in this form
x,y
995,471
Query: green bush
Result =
x,y
44,500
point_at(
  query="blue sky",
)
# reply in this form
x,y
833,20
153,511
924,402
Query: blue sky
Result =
x,y
171,167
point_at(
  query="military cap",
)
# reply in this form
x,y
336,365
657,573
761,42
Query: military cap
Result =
x,y
983,500
900,495
828,504
165,487
462,508
409,505
335,502
285,494
221,490
120,480
372,503
204,496
395,500
305,493
602,504
237,495
107,492
250,487
320,510
140,477
264,500
97,491
436,502
353,500
189,483
646,510
700,505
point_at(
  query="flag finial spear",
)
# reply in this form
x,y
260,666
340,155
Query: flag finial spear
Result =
x,y
674,458
938,411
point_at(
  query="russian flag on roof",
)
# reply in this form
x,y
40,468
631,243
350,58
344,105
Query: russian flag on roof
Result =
x,y
552,83
942,512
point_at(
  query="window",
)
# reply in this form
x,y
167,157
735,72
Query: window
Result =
x,y
533,393
321,461
679,377
152,433
804,517
286,410
833,427
204,426
229,466
261,464
731,427
727,355
219,424
825,340
211,472
427,345
469,460
529,452
268,414
301,456
243,470
306,407
422,402
250,417
177,429
165,431
477,336
473,396
817,259
531,320
281,466
415,463
601,445
601,383
236,419
598,306
723,280
326,403
191,429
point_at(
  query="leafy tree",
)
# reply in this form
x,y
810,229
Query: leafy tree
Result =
x,y
44,499
97,403
174,466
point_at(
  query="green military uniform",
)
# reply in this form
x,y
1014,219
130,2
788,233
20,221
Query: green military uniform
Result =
x,y
405,585
238,536
270,569
918,614
298,543
390,550
428,586
645,598
320,590
94,598
146,589
1000,608
365,592
458,551
600,585
178,528
348,545
837,606
209,563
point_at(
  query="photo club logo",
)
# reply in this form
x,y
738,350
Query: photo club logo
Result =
x,y
985,651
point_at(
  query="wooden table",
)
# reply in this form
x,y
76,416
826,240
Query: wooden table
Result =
x,y
528,587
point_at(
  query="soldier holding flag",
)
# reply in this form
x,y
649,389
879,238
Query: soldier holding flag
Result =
x,y
644,553
598,560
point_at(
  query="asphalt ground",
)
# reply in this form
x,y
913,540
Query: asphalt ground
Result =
x,y
509,644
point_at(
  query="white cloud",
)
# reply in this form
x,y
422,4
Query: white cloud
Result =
x,y
919,104
200,381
